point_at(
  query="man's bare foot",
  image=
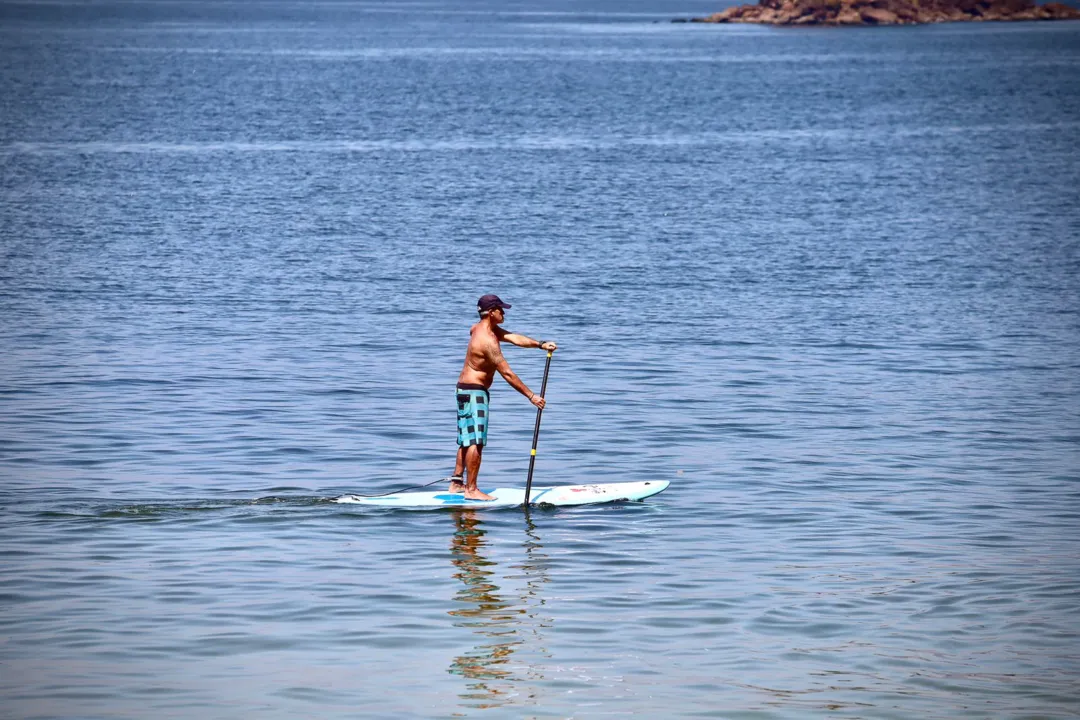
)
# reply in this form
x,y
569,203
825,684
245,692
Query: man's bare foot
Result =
x,y
456,486
478,494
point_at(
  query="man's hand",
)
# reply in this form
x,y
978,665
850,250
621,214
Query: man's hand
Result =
x,y
548,345
538,401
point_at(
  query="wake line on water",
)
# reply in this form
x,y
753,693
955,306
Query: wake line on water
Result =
x,y
159,509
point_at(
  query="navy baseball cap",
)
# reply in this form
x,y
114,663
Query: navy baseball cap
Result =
x,y
490,302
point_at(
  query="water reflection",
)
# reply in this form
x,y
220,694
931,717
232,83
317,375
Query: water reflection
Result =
x,y
507,622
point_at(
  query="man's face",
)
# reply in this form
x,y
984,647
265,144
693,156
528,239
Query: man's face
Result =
x,y
498,314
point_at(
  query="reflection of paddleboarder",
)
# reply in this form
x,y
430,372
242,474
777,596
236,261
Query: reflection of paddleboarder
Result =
x,y
482,359
505,622
487,611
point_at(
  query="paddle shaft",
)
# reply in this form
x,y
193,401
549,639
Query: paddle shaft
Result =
x,y
536,432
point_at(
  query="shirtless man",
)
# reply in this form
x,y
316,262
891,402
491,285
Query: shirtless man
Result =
x,y
482,359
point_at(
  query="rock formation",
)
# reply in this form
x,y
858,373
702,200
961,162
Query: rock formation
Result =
x,y
889,12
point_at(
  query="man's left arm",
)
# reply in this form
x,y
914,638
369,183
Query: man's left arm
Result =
x,y
525,341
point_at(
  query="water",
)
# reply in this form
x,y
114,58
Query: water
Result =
x,y
824,281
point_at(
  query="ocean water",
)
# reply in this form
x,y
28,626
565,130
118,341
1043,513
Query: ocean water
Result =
x,y
826,282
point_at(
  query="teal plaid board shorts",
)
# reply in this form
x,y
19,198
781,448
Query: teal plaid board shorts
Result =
x,y
472,416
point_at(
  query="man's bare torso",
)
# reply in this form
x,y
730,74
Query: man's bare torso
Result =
x,y
481,357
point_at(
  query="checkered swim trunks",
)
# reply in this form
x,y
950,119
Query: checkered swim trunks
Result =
x,y
472,415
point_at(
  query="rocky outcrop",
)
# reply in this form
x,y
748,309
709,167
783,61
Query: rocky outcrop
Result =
x,y
889,12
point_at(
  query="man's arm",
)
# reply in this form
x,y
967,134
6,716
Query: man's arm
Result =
x,y
524,340
496,356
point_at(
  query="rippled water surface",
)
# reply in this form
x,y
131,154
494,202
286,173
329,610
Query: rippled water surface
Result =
x,y
826,282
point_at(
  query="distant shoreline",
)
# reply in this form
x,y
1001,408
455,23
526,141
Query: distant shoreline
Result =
x,y
888,12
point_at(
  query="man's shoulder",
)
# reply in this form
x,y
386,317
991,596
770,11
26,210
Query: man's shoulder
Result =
x,y
482,337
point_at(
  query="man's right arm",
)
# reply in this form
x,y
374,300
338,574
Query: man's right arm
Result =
x,y
511,377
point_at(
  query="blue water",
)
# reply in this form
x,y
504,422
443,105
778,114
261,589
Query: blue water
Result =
x,y
827,282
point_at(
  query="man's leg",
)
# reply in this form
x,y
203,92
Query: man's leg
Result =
x,y
456,483
473,456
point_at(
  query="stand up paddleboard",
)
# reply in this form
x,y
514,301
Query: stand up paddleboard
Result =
x,y
514,497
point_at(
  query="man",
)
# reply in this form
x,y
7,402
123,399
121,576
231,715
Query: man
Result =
x,y
482,359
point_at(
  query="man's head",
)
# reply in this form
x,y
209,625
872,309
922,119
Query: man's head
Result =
x,y
489,303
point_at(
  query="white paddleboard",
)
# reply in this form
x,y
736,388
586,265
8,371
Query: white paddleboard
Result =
x,y
513,497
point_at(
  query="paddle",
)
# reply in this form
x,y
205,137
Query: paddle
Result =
x,y
536,433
